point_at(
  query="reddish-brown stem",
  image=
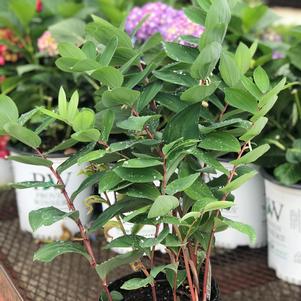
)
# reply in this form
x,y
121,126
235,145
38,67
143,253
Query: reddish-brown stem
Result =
x,y
187,268
154,293
223,112
208,251
84,236
154,247
105,286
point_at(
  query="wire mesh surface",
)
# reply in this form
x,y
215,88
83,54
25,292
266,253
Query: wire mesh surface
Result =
x,y
242,274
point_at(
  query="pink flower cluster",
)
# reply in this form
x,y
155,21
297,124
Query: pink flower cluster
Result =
x,y
169,22
6,54
3,146
47,44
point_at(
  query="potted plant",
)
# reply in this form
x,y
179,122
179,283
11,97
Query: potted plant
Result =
x,y
29,76
281,163
250,197
164,109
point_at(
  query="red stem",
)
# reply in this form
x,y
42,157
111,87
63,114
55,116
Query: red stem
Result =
x,y
189,279
86,240
208,252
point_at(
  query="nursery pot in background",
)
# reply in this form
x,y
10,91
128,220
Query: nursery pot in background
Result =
x,y
284,229
249,208
36,198
6,172
163,288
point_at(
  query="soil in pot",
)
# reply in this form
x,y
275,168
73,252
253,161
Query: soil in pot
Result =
x,y
164,291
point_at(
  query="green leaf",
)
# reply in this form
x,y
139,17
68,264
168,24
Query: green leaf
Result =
x,y
241,99
83,120
147,191
288,173
229,69
72,106
181,277
138,175
108,180
255,130
32,160
106,267
50,251
23,9
178,78
48,216
105,121
87,182
183,125
89,48
8,111
243,228
126,241
136,78
69,30
62,105
261,79
74,158
136,283
52,114
148,94
92,156
85,65
141,163
252,156
34,184
66,63
203,66
220,141
243,57
109,76
251,87
134,123
69,50
155,271
171,102
120,96
198,93
195,14
181,184
63,146
180,53
109,51
217,205
163,205
293,155
23,134
103,32
272,94
238,182
151,242
86,135
294,55
208,160
118,146
118,208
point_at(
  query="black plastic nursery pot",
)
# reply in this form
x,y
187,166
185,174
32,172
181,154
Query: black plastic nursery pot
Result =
x,y
285,3
163,289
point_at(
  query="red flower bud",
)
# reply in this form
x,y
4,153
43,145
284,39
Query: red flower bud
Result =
x,y
39,6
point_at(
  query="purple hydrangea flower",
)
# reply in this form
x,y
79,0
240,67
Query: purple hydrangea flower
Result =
x,y
162,18
277,55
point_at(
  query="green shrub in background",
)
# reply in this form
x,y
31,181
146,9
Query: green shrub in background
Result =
x,y
177,110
